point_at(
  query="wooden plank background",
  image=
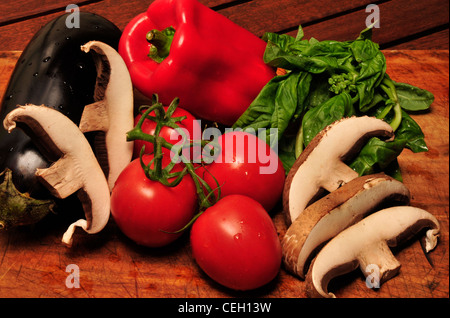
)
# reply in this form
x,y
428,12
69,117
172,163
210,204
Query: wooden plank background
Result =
x,y
404,24
33,261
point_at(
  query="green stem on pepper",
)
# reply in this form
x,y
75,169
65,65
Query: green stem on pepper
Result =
x,y
160,43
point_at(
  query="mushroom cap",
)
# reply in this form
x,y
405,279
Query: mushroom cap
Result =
x,y
75,167
321,165
327,217
367,243
112,113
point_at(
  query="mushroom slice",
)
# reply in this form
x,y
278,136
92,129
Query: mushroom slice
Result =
x,y
340,209
321,165
112,111
75,169
366,244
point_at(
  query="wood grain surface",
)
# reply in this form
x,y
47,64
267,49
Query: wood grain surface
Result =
x,y
421,24
33,260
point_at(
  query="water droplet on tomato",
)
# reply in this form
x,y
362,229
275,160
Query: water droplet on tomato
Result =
x,y
238,237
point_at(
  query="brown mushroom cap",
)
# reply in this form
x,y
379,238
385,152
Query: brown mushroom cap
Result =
x,y
321,165
112,112
367,243
327,217
75,169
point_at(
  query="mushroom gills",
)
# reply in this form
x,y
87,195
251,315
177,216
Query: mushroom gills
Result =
x,y
366,244
111,115
321,166
76,171
328,216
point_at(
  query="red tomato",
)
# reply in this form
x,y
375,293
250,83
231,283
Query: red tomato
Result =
x,y
247,166
236,244
145,210
169,134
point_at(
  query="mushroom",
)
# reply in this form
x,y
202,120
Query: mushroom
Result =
x,y
75,167
366,244
327,217
112,111
321,165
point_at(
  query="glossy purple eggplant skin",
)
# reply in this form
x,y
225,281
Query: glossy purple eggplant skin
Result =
x,y
54,72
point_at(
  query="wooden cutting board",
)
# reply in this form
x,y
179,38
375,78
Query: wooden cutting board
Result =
x,y
33,262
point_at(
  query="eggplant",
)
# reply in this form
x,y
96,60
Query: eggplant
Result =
x,y
53,72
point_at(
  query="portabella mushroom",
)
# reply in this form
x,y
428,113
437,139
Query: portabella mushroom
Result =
x,y
74,168
111,115
321,166
366,244
327,217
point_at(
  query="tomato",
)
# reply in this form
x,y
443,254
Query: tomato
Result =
x,y
146,210
236,244
191,125
246,165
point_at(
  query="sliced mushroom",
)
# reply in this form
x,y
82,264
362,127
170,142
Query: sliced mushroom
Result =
x,y
328,216
366,244
321,165
112,112
75,169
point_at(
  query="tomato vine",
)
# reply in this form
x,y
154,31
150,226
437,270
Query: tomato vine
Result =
x,y
205,193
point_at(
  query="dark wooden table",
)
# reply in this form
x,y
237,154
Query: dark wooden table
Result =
x,y
404,24
33,262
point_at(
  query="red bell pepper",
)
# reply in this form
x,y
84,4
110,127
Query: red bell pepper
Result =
x,y
214,66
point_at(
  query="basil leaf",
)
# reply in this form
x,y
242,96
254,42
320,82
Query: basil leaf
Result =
x,y
330,80
319,91
280,41
318,118
412,98
410,131
376,155
276,105
372,69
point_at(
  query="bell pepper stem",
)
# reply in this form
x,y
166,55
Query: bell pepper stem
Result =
x,y
160,43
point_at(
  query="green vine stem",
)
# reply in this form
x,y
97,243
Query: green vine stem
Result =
x,y
163,174
389,88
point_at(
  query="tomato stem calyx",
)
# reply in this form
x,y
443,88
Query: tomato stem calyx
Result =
x,y
154,170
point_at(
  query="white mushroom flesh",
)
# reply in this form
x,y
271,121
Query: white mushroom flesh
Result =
x,y
76,170
324,167
367,243
112,113
359,198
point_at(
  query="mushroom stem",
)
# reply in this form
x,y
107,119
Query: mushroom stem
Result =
x,y
112,113
330,215
342,174
321,165
75,169
95,117
60,178
378,256
367,243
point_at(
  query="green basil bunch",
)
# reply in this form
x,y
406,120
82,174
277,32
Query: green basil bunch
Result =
x,y
326,81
